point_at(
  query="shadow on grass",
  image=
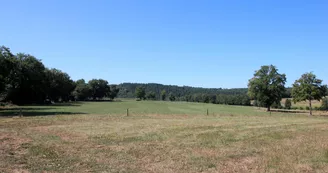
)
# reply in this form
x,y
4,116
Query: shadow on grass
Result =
x,y
288,111
59,104
33,113
24,109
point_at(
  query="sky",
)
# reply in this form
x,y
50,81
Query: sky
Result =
x,y
202,43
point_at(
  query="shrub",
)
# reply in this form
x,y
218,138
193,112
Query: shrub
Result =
x,y
301,108
324,104
276,105
307,108
288,103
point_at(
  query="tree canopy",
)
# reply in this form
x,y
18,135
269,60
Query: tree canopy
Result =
x,y
24,80
140,93
267,86
309,88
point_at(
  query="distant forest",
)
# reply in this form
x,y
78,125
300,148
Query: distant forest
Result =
x,y
235,96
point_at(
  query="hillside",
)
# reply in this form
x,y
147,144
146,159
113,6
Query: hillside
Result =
x,y
127,90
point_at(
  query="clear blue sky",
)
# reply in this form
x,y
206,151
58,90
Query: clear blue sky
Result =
x,y
197,43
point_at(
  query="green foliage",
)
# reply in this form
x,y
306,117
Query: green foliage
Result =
x,y
308,87
163,94
82,90
151,96
127,90
324,104
6,67
288,104
276,105
113,91
171,97
99,88
25,80
60,85
267,86
140,93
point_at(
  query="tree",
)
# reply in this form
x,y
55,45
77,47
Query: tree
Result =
x,y
140,93
99,88
267,86
113,92
308,87
6,67
151,95
82,90
288,104
171,97
60,85
163,94
27,80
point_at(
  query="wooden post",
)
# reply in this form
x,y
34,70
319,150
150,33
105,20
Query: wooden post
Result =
x,y
20,112
207,112
127,112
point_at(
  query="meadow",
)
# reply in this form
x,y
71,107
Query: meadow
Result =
x,y
303,104
160,137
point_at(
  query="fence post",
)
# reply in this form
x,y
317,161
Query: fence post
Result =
x,y
127,112
207,112
20,112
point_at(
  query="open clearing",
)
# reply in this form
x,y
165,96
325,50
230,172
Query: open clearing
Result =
x,y
160,137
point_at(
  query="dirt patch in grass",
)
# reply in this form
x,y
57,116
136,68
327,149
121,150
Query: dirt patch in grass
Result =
x,y
12,151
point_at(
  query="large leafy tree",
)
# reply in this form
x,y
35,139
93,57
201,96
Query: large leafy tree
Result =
x,y
267,86
113,92
99,88
82,90
308,88
27,82
140,93
6,67
60,85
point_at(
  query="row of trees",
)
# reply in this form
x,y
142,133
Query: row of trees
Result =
x,y
268,86
24,80
239,99
127,90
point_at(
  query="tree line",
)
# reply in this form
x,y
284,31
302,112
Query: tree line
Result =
x,y
268,86
153,91
24,80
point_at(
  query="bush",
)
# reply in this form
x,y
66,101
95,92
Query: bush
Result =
x,y
316,108
307,108
324,104
288,103
276,105
301,108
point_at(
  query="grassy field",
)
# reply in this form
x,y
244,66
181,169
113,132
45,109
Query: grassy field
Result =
x,y
160,137
303,104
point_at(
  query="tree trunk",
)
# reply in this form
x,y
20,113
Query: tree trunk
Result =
x,y
268,109
310,107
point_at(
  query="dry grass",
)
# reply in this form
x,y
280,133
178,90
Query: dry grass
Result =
x,y
164,143
303,104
